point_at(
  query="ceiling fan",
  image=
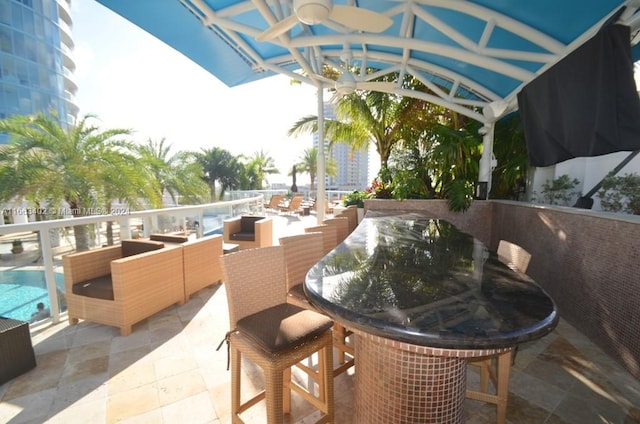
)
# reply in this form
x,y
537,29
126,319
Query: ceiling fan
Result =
x,y
312,12
348,84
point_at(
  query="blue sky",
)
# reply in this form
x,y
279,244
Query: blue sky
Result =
x,y
131,80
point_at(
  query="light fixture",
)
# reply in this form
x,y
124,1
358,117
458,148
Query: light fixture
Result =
x,y
346,84
312,12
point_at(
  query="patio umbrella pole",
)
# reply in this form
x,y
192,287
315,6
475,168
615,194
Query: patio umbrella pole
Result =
x,y
586,201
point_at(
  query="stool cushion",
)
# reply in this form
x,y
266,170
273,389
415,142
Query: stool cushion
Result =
x,y
283,326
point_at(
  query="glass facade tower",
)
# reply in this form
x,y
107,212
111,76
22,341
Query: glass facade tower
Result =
x,y
36,65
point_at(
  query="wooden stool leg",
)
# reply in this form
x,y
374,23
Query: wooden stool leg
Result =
x,y
274,385
485,364
340,333
286,390
325,366
502,389
236,358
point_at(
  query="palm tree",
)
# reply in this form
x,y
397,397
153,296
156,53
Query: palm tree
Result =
x,y
308,163
83,166
259,165
219,165
177,175
369,116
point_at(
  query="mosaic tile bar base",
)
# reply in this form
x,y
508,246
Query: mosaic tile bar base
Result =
x,y
403,383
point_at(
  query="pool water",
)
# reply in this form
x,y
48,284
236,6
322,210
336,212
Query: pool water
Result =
x,y
20,292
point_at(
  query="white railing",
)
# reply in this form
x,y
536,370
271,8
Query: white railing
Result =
x,y
52,237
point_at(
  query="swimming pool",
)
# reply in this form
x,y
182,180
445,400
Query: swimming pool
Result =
x,y
20,292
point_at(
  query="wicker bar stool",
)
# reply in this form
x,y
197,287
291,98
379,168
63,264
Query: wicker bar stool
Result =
x,y
302,251
274,334
342,225
329,235
497,368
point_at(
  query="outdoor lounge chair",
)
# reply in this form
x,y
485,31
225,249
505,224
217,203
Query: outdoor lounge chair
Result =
x,y
248,231
275,335
123,284
294,206
274,203
497,368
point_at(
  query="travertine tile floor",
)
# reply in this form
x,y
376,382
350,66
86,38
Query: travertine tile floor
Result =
x,y
168,371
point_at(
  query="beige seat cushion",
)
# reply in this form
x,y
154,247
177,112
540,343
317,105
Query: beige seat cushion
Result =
x,y
283,326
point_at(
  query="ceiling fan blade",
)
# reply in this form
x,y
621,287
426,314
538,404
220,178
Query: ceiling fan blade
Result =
x,y
359,18
335,97
278,29
376,86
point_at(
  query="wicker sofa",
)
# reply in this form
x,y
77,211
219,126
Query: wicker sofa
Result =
x,y
248,231
124,284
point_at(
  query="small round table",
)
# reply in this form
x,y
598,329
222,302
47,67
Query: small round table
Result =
x,y
422,298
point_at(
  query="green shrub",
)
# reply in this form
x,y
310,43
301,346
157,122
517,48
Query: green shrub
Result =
x,y
559,191
621,194
356,198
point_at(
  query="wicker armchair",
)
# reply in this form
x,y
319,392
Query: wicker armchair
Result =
x,y
124,284
497,368
274,335
248,231
201,259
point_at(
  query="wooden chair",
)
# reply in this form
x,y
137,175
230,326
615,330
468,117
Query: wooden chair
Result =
x,y
329,233
274,334
497,368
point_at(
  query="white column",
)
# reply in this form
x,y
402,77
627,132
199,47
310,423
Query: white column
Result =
x,y
487,163
321,192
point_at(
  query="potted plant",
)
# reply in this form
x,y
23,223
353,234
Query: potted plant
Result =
x,y
17,246
355,198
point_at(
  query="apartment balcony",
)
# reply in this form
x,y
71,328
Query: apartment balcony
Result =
x,y
169,370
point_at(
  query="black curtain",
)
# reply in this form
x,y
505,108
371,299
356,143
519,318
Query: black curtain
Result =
x,y
586,104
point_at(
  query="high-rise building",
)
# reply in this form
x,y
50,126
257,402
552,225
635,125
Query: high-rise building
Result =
x,y
36,64
352,166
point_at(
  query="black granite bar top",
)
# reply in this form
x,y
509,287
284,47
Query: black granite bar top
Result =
x,y
424,282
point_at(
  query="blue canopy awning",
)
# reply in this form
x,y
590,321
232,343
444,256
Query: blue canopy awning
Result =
x,y
468,53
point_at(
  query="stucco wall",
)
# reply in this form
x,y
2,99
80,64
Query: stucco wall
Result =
x,y
589,262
